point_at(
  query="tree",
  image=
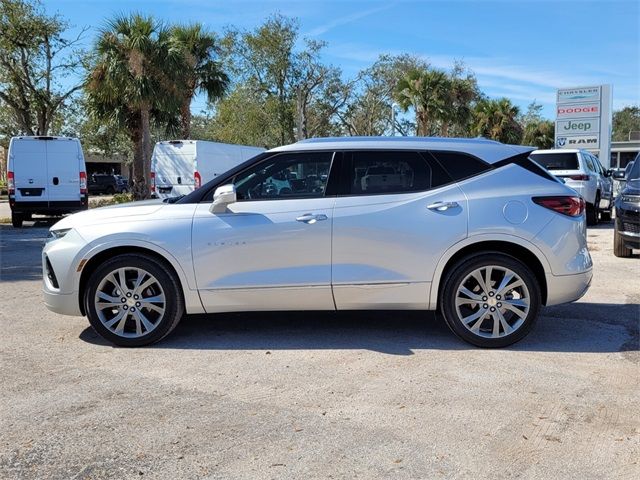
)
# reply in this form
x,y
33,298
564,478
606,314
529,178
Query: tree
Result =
x,y
136,76
497,120
426,91
203,73
540,134
368,108
34,58
442,101
626,121
285,78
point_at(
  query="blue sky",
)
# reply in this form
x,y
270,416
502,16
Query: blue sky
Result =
x,y
523,50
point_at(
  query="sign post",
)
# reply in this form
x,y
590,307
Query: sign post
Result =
x,y
583,120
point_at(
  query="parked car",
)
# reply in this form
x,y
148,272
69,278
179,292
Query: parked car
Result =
x,y
107,184
467,226
45,176
178,167
626,235
583,172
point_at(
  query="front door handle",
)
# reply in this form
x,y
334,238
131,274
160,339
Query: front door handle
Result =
x,y
442,206
311,218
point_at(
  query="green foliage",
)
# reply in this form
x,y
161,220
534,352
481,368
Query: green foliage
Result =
x,y
442,101
626,121
34,58
540,134
497,120
115,200
202,72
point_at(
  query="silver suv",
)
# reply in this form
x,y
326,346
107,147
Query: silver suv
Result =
x,y
583,172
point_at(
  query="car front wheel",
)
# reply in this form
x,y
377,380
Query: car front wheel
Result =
x,y
133,300
490,299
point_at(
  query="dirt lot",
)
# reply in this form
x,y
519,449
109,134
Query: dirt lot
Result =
x,y
385,395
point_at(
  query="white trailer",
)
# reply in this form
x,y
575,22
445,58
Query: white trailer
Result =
x,y
180,166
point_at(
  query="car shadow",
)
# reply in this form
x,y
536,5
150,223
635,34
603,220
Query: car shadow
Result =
x,y
20,250
579,327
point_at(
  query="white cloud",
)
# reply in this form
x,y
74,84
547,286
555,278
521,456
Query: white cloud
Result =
x,y
344,20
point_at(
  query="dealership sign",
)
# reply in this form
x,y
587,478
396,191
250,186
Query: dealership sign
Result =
x,y
578,111
578,126
583,119
583,141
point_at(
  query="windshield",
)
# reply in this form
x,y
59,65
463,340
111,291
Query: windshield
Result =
x,y
634,173
557,161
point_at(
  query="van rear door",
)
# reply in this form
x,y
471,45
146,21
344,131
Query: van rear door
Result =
x,y
174,168
29,163
63,158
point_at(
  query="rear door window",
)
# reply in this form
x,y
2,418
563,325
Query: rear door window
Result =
x,y
557,161
460,165
391,172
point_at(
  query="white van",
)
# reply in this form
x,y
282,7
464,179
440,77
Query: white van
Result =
x,y
180,166
46,176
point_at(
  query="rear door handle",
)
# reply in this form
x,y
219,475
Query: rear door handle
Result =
x,y
311,218
442,206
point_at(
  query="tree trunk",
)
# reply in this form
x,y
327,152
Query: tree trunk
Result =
x,y
138,164
185,119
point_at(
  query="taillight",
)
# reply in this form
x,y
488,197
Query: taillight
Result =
x,y
583,178
83,183
197,179
153,181
570,206
11,183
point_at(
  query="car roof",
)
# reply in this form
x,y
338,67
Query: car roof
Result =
x,y
488,150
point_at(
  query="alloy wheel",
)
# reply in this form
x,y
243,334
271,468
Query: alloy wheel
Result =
x,y
130,302
492,301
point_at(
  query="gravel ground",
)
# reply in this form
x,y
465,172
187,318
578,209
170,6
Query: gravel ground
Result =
x,y
309,395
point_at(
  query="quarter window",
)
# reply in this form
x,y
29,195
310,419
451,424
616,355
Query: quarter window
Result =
x,y
295,175
460,165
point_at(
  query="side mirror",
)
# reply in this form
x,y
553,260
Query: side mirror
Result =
x,y
618,174
222,198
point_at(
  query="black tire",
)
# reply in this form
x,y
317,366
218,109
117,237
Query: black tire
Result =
x,y
17,219
455,278
592,214
174,302
110,190
619,250
605,215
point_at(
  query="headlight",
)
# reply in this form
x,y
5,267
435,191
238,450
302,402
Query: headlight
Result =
x,y
631,198
57,234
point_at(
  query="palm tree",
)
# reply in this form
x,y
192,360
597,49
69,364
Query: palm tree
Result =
x,y
427,91
135,76
203,74
539,134
497,120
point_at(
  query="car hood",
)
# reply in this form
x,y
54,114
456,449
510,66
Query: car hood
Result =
x,y
122,211
632,187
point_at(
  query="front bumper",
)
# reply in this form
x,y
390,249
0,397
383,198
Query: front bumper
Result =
x,y
567,288
628,224
64,304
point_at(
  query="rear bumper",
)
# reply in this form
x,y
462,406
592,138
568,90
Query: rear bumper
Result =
x,y
48,208
567,288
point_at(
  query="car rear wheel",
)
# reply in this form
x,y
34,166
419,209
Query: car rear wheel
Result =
x,y
133,300
490,299
619,249
17,219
